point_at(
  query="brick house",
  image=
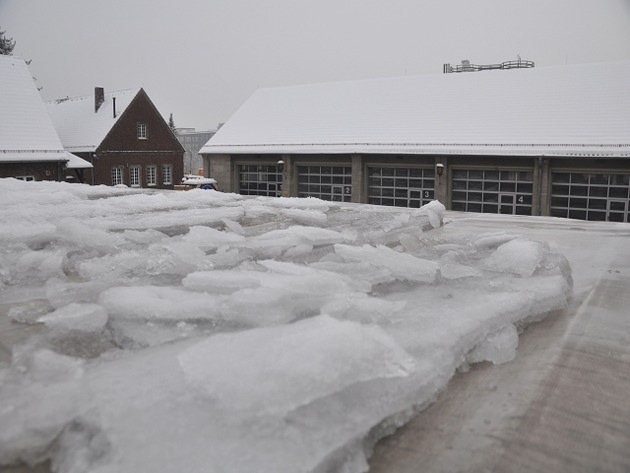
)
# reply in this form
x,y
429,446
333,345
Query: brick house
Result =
x,y
30,148
123,135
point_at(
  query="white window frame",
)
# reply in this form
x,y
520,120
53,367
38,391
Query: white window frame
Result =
x,y
117,175
152,175
167,174
25,178
142,131
135,179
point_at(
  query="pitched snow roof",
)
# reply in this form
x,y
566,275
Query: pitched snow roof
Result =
x,y
75,162
579,110
79,127
26,131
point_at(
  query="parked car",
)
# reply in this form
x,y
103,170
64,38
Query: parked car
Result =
x,y
193,181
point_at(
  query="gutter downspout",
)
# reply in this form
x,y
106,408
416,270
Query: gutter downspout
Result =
x,y
540,192
92,156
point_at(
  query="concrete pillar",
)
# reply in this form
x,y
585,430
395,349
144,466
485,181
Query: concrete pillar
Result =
x,y
544,192
441,185
219,167
358,180
289,177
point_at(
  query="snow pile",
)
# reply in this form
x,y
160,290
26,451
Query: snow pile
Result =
x,y
203,331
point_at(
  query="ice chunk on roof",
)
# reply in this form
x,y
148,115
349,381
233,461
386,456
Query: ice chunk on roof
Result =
x,y
158,303
41,393
499,347
403,266
271,371
306,216
518,256
82,317
459,271
434,210
208,238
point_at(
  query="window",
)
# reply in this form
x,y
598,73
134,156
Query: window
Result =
x,y
142,131
25,178
134,176
151,175
117,177
167,174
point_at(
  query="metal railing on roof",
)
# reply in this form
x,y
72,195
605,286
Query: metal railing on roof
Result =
x,y
465,66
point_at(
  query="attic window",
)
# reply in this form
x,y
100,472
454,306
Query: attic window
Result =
x,y
142,131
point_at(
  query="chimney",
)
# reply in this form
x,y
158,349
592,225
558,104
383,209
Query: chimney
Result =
x,y
99,98
114,105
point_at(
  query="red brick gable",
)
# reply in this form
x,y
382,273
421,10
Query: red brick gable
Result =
x,y
123,135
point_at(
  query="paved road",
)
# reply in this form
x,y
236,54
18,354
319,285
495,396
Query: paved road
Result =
x,y
564,404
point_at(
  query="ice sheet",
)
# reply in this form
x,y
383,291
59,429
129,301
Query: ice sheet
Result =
x,y
258,359
196,331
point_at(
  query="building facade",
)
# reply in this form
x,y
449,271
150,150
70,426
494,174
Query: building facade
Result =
x,y
544,141
192,141
124,137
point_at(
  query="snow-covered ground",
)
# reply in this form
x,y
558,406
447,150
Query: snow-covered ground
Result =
x,y
203,331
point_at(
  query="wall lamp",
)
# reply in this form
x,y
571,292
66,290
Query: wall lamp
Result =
x,y
439,169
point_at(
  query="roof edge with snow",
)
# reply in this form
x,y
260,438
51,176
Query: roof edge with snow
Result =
x,y
577,110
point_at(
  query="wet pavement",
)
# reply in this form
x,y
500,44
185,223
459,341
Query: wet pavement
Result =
x,y
563,405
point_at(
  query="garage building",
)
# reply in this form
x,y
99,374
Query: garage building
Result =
x,y
539,141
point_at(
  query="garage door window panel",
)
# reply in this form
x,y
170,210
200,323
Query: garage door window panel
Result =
x,y
597,204
491,186
395,182
598,191
496,189
475,185
618,192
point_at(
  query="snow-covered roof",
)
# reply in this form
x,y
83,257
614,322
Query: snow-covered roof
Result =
x,y
26,131
75,162
80,128
572,110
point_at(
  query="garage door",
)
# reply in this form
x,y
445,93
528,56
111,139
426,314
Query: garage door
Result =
x,y
400,187
602,197
325,182
504,192
260,180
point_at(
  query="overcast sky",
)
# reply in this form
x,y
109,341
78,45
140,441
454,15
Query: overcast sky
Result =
x,y
201,59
